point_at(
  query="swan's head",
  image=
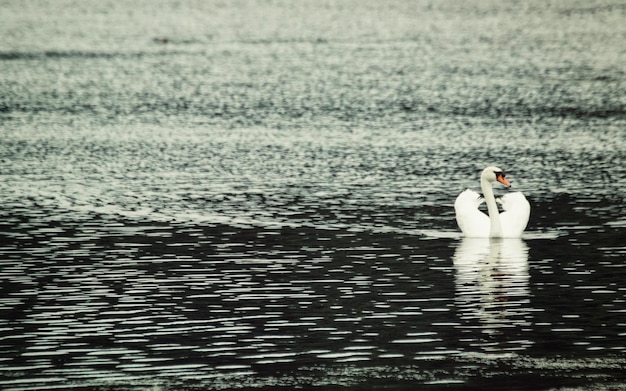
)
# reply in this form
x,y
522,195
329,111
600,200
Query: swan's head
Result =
x,y
493,174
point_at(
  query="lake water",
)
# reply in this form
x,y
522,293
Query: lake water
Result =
x,y
258,195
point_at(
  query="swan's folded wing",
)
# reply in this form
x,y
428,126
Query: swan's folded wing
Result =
x,y
471,220
516,214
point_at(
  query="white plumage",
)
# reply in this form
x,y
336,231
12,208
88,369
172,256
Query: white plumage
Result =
x,y
508,224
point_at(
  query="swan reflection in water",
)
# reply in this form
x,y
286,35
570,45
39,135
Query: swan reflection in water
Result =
x,y
492,293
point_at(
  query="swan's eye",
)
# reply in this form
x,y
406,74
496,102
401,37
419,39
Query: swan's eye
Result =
x,y
499,174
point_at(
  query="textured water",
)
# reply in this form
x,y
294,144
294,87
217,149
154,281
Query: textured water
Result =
x,y
258,195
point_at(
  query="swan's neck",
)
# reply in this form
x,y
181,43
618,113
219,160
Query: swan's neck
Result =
x,y
492,208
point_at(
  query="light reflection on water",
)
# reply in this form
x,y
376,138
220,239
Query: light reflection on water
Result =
x,y
253,267
134,300
118,276
493,292
258,207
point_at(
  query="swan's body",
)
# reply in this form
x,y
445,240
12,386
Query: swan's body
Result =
x,y
476,224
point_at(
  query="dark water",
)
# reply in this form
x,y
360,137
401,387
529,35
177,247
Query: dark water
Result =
x,y
258,195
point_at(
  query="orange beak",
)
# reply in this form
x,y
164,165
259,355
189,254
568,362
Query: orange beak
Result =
x,y
503,180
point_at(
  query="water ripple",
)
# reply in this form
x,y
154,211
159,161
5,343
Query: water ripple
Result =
x,y
271,207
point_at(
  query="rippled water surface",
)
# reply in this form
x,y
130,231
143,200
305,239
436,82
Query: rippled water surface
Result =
x,y
258,195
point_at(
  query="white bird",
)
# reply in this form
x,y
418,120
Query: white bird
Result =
x,y
476,224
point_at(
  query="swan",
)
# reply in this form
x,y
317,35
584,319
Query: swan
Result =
x,y
476,224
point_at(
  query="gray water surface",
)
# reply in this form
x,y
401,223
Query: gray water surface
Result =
x,y
209,195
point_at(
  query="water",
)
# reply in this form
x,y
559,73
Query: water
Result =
x,y
209,195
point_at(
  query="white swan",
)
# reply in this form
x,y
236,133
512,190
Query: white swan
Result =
x,y
476,224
